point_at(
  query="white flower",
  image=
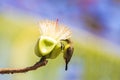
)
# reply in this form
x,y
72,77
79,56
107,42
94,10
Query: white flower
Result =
x,y
54,30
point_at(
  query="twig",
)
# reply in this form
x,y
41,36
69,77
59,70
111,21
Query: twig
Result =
x,y
23,70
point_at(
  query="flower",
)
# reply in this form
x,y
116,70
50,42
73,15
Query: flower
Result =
x,y
49,43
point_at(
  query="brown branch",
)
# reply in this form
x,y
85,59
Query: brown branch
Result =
x,y
22,70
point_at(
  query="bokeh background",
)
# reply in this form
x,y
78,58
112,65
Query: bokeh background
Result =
x,y
96,35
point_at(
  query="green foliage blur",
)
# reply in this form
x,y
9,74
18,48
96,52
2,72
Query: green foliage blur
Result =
x,y
94,58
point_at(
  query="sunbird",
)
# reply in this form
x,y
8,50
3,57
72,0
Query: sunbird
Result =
x,y
54,39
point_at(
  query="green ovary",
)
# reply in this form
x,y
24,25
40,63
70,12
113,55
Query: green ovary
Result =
x,y
46,45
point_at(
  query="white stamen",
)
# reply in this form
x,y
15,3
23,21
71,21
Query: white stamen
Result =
x,y
54,30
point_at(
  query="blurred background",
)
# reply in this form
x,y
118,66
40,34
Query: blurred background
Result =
x,y
96,35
